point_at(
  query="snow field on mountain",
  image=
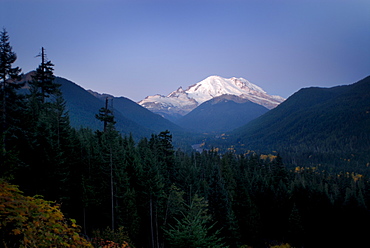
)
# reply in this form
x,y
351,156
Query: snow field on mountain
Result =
x,y
183,101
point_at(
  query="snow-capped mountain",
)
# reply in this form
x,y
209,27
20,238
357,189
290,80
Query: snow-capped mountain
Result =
x,y
181,102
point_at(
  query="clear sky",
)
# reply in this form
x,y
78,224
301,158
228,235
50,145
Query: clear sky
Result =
x,y
136,48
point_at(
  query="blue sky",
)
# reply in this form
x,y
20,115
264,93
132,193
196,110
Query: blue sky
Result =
x,y
136,48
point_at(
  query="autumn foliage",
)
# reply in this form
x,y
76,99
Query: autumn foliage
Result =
x,y
34,222
109,238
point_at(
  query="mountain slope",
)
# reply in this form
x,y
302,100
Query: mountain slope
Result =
x,y
139,114
181,102
221,114
82,107
314,125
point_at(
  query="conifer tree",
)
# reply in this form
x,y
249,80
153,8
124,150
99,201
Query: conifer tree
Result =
x,y
296,230
50,132
109,135
45,94
43,82
8,85
162,146
106,116
193,229
220,205
12,106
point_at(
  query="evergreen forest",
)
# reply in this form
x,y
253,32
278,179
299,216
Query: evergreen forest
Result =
x,y
117,191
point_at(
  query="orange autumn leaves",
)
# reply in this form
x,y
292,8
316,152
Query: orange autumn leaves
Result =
x,y
33,222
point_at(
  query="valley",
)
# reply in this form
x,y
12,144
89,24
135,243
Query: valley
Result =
x,y
313,126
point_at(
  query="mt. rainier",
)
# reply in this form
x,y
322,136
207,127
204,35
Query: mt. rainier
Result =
x,y
181,102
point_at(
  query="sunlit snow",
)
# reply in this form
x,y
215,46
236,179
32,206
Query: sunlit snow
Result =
x,y
183,101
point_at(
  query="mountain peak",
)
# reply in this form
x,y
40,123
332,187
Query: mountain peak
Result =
x,y
216,86
176,93
181,102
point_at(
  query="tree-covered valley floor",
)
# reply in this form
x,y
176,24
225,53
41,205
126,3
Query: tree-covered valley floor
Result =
x,y
150,194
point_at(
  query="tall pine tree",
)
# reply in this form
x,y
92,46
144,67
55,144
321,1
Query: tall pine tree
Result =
x,y
49,132
109,135
11,104
43,82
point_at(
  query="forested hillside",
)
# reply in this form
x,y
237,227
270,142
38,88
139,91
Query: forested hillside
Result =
x,y
81,104
131,118
148,193
327,126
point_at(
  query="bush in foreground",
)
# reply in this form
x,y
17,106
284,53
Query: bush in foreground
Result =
x,y
34,222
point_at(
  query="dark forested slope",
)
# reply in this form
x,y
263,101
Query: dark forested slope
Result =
x,y
314,125
139,114
82,107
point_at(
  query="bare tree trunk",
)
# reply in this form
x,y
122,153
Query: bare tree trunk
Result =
x,y
4,117
156,228
106,114
84,215
151,220
111,186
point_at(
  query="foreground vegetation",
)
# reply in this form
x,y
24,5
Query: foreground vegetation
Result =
x,y
34,222
147,193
